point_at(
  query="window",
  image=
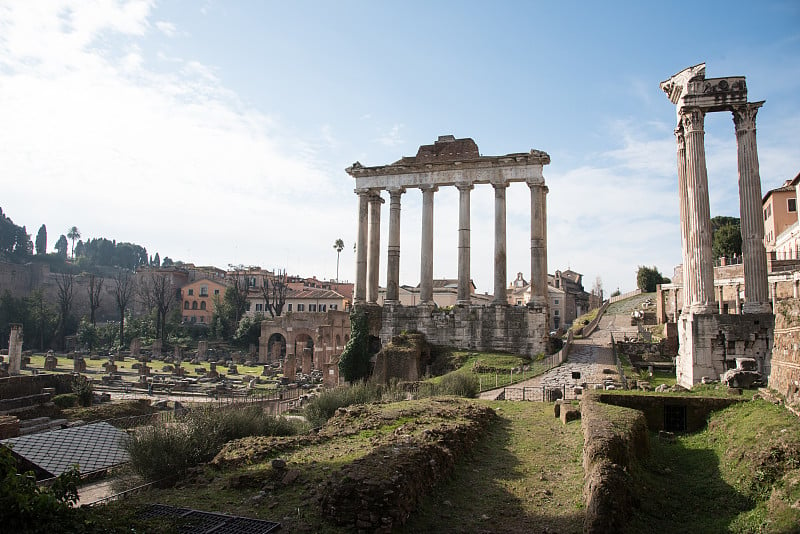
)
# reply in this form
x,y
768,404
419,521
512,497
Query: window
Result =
x,y
289,307
185,304
300,307
191,292
216,291
194,305
247,307
203,291
312,307
556,313
322,307
791,204
519,302
194,319
259,307
252,281
202,318
333,306
203,305
555,301
185,318
767,211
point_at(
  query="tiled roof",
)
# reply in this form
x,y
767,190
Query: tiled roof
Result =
x,y
91,447
312,293
197,522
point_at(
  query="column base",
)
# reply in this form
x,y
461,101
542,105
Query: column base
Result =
x,y
756,307
708,308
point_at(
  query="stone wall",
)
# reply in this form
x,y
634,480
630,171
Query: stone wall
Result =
x,y
405,357
710,344
23,386
613,441
643,351
652,407
515,329
785,372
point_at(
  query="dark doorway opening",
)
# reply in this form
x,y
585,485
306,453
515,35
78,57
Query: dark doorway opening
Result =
x,y
675,418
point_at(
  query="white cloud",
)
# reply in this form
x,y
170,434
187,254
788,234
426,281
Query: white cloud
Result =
x,y
174,162
392,137
167,28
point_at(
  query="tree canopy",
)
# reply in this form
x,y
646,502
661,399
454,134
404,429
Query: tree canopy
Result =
x,y
647,278
726,236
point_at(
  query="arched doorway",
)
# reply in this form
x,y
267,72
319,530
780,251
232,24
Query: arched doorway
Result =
x,y
276,347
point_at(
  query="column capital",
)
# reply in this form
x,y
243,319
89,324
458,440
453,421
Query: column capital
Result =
x,y
500,185
692,119
465,186
680,137
428,187
396,191
541,185
362,192
744,116
375,196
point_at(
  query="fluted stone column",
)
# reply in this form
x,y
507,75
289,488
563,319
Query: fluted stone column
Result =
x,y
374,253
738,302
675,303
721,300
538,244
426,255
500,244
464,292
361,248
393,255
774,295
701,263
753,252
683,203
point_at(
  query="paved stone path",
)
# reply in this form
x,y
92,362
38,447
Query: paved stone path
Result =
x,y
588,357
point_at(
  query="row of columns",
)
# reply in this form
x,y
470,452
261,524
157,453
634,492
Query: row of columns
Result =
x,y
368,245
698,272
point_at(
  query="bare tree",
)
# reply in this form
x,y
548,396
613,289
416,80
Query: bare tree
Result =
x,y
65,283
124,286
274,293
159,292
95,286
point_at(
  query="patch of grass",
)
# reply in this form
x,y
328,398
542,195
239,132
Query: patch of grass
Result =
x,y
741,474
322,408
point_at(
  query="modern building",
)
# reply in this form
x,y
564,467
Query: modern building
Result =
x,y
780,212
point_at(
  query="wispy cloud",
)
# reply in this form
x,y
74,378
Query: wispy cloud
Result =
x,y
392,137
167,28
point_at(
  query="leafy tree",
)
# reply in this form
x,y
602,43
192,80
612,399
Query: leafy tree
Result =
x,y
158,292
42,317
249,330
167,262
41,240
354,361
157,261
647,278
726,236
338,245
72,235
124,288
80,248
14,240
62,246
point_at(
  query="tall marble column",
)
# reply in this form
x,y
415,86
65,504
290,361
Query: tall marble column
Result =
x,y
463,297
721,300
538,244
683,203
675,304
360,295
374,251
738,301
500,244
754,255
701,262
393,255
426,253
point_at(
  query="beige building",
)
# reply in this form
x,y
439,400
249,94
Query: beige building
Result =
x,y
780,212
198,298
519,294
445,294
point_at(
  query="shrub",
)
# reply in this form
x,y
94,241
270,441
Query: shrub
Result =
x,y
460,384
354,360
322,408
167,452
82,388
67,400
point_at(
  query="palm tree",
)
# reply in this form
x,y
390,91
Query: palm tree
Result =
x,y
338,246
74,234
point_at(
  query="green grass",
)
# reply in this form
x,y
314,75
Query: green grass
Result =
x,y
501,365
740,475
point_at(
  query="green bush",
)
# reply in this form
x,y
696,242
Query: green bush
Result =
x,y
354,360
167,452
322,408
82,388
67,400
460,384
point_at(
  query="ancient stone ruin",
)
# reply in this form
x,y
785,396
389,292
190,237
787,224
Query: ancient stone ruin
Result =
x,y
709,341
15,349
451,162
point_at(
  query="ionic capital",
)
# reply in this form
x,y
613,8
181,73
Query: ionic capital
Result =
x,y
465,186
395,192
692,119
428,187
499,185
375,196
744,116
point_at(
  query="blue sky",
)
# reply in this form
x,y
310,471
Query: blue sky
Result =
x,y
218,132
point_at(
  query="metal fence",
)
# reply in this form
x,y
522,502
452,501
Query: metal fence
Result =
x,y
546,393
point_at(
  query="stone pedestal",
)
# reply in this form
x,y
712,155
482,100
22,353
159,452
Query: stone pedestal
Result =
x,y
290,368
212,371
136,347
144,370
110,367
157,349
179,371
78,364
202,350
710,344
50,362
307,362
15,349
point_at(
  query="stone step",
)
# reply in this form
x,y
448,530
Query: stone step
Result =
x,y
50,424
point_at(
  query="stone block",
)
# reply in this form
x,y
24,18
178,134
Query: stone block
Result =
x,y
569,413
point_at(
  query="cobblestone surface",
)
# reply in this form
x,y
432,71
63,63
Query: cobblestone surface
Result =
x,y
588,357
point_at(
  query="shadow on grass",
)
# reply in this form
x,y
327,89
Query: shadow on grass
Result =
x,y
476,497
680,489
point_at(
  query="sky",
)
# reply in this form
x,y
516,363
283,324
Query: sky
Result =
x,y
217,132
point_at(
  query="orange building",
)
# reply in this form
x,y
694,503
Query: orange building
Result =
x,y
197,300
780,212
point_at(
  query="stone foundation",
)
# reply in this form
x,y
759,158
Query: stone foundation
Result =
x,y
785,369
515,329
710,344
